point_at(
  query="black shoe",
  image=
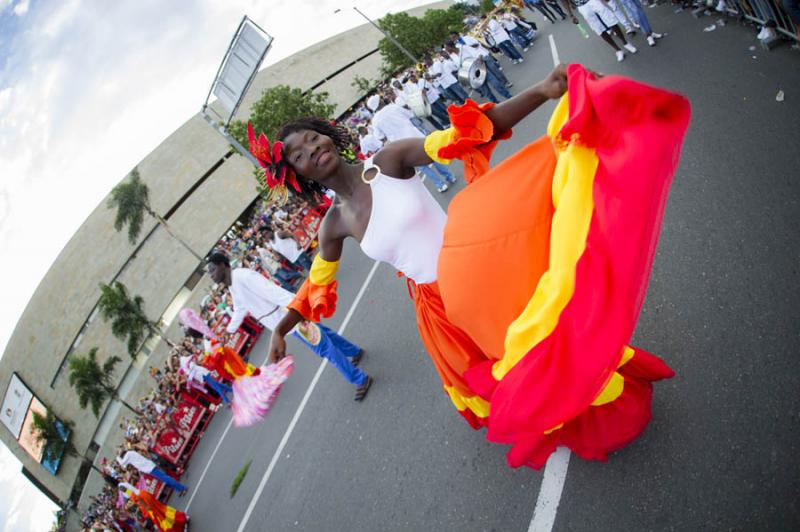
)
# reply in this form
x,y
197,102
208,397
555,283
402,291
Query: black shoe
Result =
x,y
356,360
361,391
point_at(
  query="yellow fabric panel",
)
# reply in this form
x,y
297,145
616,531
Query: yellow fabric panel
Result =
x,y
169,521
437,140
478,406
612,390
559,117
573,179
323,272
554,429
627,355
616,384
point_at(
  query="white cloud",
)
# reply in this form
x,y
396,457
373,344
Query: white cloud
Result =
x,y
23,507
22,7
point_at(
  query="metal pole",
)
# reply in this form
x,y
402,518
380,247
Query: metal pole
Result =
x,y
392,39
232,141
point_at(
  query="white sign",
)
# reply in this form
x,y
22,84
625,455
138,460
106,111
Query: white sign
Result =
x,y
15,405
240,65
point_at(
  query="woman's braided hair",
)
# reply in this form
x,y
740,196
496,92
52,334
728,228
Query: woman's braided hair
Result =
x,y
341,139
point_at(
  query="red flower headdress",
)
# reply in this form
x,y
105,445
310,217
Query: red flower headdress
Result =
x,y
275,172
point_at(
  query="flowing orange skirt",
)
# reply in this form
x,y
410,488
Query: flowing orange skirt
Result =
x,y
597,185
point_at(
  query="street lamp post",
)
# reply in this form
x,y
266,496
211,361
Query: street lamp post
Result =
x,y
388,36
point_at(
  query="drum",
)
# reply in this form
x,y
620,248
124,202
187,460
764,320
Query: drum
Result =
x,y
472,73
418,103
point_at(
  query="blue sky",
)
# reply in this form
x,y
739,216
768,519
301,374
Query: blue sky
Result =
x,y
87,89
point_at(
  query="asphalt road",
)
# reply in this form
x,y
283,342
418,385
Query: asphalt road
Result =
x,y
722,450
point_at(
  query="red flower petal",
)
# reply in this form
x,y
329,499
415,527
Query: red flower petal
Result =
x,y
277,156
291,178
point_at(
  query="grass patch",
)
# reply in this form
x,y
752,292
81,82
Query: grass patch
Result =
x,y
239,478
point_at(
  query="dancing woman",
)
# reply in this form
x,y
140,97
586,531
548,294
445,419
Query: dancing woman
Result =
x,y
559,237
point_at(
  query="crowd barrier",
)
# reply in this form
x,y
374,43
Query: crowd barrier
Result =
x,y
759,12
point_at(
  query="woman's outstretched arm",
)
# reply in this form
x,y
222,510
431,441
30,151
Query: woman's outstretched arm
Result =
x,y
507,114
400,157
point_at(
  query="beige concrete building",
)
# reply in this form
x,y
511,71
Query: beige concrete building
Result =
x,y
201,187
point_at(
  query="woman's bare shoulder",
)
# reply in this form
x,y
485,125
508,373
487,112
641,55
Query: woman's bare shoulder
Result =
x,y
332,226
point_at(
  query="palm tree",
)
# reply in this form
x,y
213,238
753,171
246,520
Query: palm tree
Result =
x,y
131,199
128,320
93,383
55,436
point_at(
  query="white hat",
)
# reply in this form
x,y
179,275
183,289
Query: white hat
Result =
x,y
373,102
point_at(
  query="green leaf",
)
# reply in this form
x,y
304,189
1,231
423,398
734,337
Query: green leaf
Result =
x,y
239,478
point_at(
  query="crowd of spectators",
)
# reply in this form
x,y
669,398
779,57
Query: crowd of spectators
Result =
x,y
260,242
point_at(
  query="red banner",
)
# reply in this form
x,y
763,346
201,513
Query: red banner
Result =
x,y
170,444
188,416
150,485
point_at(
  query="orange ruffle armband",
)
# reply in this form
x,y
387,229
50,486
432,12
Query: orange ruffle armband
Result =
x,y
471,139
316,299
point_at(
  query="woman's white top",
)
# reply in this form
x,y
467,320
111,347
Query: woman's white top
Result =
x,y
406,226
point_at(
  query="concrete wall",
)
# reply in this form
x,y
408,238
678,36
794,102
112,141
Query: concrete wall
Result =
x,y
69,291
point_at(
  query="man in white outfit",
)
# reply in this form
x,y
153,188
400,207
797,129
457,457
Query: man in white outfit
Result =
x,y
267,302
392,122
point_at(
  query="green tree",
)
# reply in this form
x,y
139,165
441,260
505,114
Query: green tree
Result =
x,y
486,6
46,431
279,105
363,85
94,383
128,319
131,199
417,35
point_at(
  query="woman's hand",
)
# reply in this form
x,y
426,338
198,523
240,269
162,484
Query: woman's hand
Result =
x,y
575,19
277,347
555,84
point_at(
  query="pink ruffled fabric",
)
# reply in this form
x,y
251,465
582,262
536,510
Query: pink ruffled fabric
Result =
x,y
253,396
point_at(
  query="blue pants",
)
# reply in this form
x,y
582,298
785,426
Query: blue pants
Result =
x,y
220,387
431,174
508,49
456,93
419,124
168,480
557,8
521,37
542,9
636,12
494,67
496,83
439,110
487,93
337,351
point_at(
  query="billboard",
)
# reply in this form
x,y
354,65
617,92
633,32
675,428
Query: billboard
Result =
x,y
15,405
19,404
239,66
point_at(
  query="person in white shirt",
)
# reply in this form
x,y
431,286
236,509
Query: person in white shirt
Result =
x,y
201,377
438,107
458,55
513,26
412,90
147,466
283,242
502,39
267,302
401,99
491,63
442,70
368,143
391,122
